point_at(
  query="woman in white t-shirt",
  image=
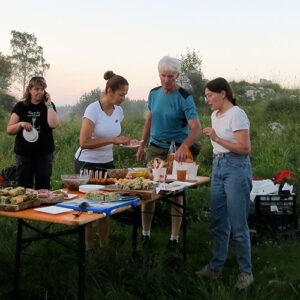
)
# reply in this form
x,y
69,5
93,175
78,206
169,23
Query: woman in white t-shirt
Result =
x,y
100,130
231,182
101,127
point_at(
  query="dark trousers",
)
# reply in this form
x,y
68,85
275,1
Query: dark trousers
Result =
x,y
34,168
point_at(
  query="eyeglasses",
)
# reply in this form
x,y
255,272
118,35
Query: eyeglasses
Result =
x,y
208,96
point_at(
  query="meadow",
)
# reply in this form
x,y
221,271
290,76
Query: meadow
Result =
x,y
49,270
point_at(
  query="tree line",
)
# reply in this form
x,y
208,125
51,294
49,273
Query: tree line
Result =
x,y
27,60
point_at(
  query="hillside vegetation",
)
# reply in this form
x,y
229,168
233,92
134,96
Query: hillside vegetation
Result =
x,y
49,271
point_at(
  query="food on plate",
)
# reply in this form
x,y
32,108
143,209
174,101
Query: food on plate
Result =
x,y
103,196
102,181
138,183
5,191
4,200
142,172
60,192
158,163
73,181
18,199
17,195
16,191
117,173
44,193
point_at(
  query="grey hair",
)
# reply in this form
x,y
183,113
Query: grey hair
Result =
x,y
168,63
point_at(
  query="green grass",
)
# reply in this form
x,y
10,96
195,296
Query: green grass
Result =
x,y
49,270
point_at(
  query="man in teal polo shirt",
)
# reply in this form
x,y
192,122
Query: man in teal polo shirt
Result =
x,y
172,117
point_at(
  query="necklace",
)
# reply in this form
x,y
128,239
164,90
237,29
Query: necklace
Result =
x,y
108,110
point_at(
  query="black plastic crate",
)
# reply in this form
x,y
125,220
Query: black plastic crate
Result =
x,y
273,223
274,205
276,213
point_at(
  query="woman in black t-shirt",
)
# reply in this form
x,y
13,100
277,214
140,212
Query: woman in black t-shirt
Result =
x,y
32,121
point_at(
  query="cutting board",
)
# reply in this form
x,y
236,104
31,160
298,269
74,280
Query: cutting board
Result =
x,y
142,194
20,206
52,199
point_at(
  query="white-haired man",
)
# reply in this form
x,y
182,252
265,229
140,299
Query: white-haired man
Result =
x,y
172,117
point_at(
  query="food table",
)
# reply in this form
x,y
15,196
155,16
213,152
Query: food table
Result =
x,y
66,218
78,223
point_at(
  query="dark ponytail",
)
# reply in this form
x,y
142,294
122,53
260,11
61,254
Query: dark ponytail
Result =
x,y
220,84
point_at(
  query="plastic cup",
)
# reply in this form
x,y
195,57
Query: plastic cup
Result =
x,y
159,174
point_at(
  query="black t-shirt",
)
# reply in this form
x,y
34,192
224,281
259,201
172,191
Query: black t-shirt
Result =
x,y
45,143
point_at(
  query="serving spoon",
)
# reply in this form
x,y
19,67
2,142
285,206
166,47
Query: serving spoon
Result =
x,y
82,206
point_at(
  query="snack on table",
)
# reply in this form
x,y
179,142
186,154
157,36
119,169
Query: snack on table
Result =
x,y
18,199
103,196
17,191
73,181
5,191
60,192
138,183
138,172
16,195
157,163
117,173
4,200
102,181
44,193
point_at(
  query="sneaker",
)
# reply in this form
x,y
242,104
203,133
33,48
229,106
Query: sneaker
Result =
x,y
146,242
244,280
208,273
173,246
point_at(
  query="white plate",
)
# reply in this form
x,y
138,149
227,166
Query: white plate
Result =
x,y
130,146
53,209
31,136
85,188
70,196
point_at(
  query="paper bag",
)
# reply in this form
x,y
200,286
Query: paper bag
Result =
x,y
191,168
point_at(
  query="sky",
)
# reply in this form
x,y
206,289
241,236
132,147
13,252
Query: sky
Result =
x,y
236,39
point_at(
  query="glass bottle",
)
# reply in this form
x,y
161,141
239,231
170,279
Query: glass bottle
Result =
x,y
170,158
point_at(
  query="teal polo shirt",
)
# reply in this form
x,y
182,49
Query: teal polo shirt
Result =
x,y
170,115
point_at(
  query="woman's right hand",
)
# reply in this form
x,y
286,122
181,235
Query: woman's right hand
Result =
x,y
121,140
26,125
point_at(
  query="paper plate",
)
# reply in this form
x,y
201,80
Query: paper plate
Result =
x,y
85,188
31,136
130,146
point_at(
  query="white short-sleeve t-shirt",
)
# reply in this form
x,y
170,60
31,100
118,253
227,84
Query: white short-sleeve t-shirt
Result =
x,y
105,126
225,125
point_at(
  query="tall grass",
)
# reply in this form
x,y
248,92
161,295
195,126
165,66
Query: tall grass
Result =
x,y
49,271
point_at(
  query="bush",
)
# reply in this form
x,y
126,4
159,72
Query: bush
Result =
x,y
284,104
7,102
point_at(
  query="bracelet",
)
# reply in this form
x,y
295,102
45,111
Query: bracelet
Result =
x,y
49,106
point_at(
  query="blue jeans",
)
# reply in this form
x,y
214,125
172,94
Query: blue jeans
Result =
x,y
230,201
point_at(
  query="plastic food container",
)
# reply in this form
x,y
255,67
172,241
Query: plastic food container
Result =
x,y
117,173
139,172
73,181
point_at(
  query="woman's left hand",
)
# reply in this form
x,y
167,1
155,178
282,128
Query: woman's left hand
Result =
x,y
48,99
